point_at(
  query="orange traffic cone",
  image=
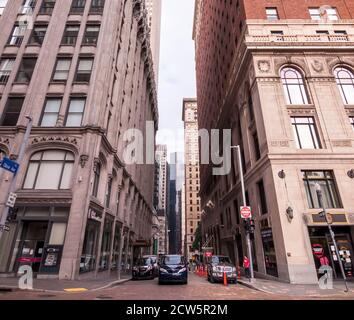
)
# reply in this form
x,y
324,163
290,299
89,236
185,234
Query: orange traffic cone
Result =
x,y
225,279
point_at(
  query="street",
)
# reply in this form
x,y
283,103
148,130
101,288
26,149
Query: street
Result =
x,y
197,289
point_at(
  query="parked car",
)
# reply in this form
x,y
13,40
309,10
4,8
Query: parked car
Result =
x,y
144,269
216,267
154,261
173,268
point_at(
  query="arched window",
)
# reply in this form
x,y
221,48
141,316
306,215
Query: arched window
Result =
x,y
96,181
50,170
345,82
294,86
2,154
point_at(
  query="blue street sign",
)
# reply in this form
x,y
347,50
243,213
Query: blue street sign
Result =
x,y
9,165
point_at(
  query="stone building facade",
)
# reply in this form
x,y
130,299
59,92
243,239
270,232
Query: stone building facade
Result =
x,y
281,78
191,174
83,71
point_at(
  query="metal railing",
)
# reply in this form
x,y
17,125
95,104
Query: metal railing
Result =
x,y
300,38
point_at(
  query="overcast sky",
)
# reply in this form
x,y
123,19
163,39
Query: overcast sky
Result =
x,y
177,69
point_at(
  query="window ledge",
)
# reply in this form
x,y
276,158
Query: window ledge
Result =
x,y
298,106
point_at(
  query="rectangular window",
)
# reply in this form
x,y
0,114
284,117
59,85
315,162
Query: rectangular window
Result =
x,y
12,111
272,14
97,6
315,13
28,6
352,121
262,197
17,35
25,71
329,13
51,112
3,4
91,34
76,112
47,6
38,35
62,68
326,181
332,14
83,73
256,146
305,133
70,35
77,6
6,66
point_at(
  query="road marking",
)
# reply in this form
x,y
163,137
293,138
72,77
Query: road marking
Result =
x,y
73,290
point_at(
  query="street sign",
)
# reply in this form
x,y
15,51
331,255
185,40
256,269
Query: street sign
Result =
x,y
9,165
11,200
246,212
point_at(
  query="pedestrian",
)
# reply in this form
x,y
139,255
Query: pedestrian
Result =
x,y
246,266
324,261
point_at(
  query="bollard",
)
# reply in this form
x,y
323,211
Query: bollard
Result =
x,y
225,279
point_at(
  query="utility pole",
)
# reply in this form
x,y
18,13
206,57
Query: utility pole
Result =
x,y
12,187
323,213
238,149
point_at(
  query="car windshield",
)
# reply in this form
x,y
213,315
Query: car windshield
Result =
x,y
174,260
143,262
220,260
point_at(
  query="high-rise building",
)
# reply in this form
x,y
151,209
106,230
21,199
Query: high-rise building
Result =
x,y
82,70
153,8
281,78
163,186
172,203
191,174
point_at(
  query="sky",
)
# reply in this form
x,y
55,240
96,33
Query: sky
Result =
x,y
177,70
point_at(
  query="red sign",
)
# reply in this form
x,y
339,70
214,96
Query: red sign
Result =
x,y
246,212
208,254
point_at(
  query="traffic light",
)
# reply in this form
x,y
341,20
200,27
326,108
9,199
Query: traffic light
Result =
x,y
249,225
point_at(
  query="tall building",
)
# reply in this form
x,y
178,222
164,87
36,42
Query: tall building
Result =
x,y
163,186
153,8
281,78
191,173
83,71
172,203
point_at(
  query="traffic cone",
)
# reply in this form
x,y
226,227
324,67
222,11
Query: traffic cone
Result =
x,y
225,279
238,272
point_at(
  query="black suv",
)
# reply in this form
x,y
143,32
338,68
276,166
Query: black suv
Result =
x,y
216,267
144,268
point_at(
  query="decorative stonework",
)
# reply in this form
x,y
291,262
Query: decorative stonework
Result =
x,y
317,65
5,141
263,66
280,143
342,143
350,217
83,159
71,140
301,111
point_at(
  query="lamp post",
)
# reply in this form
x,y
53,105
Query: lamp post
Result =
x,y
321,204
238,149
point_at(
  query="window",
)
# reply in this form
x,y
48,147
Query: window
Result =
x,y
106,244
26,70
83,73
49,170
70,35
38,35
352,121
6,66
256,146
272,14
305,133
97,6
17,35
332,14
262,197
345,82
28,6
51,112
62,68
75,113
78,6
315,13
108,193
329,13
96,182
47,6
91,34
294,86
326,181
12,111
2,154
89,249
2,6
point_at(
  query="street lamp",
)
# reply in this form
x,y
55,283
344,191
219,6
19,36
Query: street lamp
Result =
x,y
323,213
238,149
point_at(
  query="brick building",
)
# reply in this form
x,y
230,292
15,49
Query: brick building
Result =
x,y
83,71
280,76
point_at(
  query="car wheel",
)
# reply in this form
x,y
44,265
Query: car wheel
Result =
x,y
212,279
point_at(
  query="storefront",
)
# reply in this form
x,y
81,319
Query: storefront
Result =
x,y
270,258
36,238
324,251
106,243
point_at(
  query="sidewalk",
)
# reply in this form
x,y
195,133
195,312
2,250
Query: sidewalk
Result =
x,y
297,290
55,285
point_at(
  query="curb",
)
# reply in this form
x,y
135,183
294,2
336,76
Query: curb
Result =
x,y
109,285
251,286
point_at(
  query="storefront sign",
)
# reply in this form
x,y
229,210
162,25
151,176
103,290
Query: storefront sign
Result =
x,y
267,233
94,215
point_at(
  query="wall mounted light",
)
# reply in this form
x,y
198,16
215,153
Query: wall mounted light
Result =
x,y
290,213
351,174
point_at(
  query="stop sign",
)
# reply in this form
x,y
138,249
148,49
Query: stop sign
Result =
x,y
246,212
